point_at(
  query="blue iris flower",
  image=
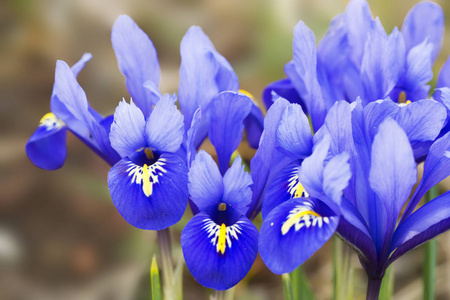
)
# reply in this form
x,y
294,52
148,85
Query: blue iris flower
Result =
x,y
360,174
356,58
204,73
220,243
70,110
149,184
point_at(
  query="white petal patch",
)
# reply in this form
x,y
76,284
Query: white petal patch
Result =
x,y
152,174
295,188
50,121
303,215
231,233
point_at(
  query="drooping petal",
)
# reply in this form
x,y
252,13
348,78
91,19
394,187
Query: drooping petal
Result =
x,y
284,185
435,169
128,129
228,111
282,88
303,74
79,65
237,191
137,60
294,231
203,73
151,197
262,164
424,224
422,122
392,173
219,255
425,21
46,148
165,129
294,133
205,182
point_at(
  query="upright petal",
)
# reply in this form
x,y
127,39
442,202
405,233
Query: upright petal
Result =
x,y
79,65
425,21
294,133
205,182
418,68
128,129
219,255
203,73
254,125
46,148
165,129
392,173
228,111
137,60
267,154
382,63
303,73
444,75
151,197
293,232
237,182
359,20
192,136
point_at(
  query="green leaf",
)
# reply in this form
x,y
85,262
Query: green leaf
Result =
x,y
154,278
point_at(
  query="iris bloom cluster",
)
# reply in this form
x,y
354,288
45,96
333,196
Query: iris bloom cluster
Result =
x,y
366,96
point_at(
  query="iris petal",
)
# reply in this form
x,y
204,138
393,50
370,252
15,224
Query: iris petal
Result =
x,y
219,256
267,154
293,232
424,224
151,199
127,130
137,60
283,186
228,111
46,147
303,73
283,88
294,133
165,129
237,182
424,21
203,73
205,182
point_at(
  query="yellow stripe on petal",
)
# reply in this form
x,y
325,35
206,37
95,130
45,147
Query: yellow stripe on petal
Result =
x,y
222,239
146,185
247,93
295,219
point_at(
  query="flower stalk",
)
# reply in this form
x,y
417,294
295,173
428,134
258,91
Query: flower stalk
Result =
x,y
429,271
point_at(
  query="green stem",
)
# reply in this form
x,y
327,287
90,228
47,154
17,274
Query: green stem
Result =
x,y
342,279
287,287
430,256
165,251
300,287
219,295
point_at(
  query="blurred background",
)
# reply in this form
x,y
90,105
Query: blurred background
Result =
x,y
60,235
